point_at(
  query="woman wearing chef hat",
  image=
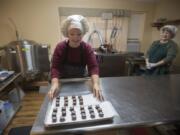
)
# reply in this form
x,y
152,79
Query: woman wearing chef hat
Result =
x,y
162,52
72,55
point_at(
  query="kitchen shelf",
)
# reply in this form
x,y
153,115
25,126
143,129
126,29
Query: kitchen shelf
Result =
x,y
5,120
8,81
169,22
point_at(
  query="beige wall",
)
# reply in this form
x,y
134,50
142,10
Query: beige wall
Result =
x,y
169,9
35,19
38,19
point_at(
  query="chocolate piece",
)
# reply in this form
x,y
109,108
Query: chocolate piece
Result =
x,y
82,111
57,104
57,100
91,111
97,106
74,100
90,107
73,112
65,103
63,113
58,97
54,114
65,98
79,97
81,107
83,115
92,115
62,119
99,110
63,108
54,119
81,102
73,117
55,110
74,103
101,114
71,108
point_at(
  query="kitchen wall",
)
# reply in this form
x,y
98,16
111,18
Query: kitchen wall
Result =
x,y
39,20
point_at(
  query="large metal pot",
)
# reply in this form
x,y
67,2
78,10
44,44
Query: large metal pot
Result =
x,y
27,57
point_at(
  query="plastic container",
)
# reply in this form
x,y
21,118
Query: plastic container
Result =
x,y
8,109
2,116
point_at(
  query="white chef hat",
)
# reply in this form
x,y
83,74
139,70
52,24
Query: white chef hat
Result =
x,y
74,21
170,28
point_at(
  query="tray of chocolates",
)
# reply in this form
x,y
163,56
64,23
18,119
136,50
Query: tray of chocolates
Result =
x,y
66,110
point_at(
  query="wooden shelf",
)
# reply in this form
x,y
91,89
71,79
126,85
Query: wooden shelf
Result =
x,y
161,24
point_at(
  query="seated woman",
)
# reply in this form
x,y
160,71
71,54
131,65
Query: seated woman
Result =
x,y
162,52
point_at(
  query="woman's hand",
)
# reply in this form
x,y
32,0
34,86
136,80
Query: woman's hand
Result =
x,y
148,66
96,87
55,88
152,65
97,92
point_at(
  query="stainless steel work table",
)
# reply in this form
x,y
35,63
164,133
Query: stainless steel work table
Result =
x,y
140,101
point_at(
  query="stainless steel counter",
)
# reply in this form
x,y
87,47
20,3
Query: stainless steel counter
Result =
x,y
140,101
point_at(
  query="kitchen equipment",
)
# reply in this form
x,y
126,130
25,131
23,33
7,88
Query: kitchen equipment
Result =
x,y
27,57
95,31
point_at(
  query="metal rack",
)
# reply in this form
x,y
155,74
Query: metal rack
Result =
x,y
14,79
